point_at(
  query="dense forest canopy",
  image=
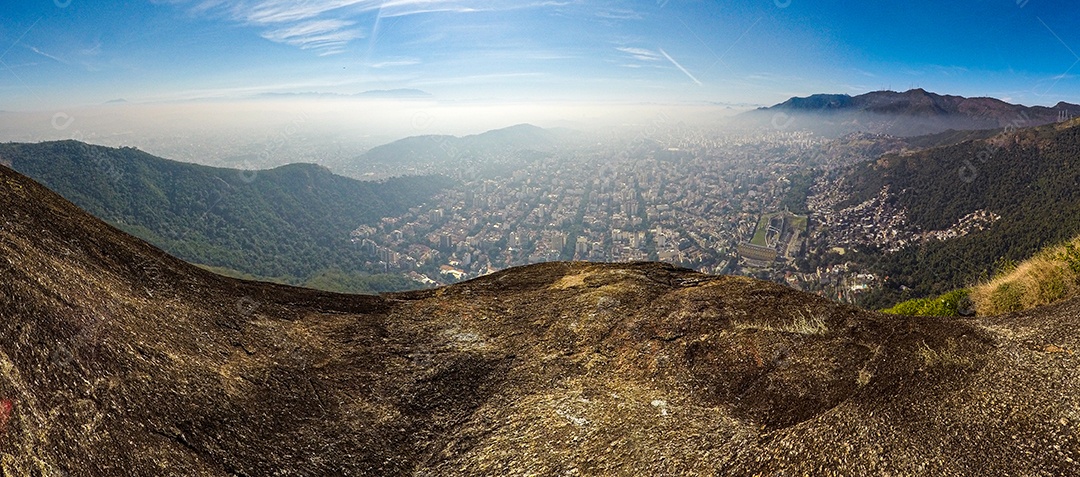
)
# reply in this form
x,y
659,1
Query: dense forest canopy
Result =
x,y
1031,178
291,223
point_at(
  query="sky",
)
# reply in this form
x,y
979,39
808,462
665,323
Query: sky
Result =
x,y
61,54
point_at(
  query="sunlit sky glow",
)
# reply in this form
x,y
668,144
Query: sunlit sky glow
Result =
x,y
70,53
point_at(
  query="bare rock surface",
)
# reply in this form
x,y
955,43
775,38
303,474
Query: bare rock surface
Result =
x,y
117,359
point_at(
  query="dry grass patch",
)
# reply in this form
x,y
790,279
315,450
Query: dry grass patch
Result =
x,y
948,356
576,280
1048,277
806,322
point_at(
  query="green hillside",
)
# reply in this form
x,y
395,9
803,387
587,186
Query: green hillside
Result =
x,y
292,222
1031,178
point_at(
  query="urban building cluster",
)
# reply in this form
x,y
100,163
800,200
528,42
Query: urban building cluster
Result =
x,y
696,202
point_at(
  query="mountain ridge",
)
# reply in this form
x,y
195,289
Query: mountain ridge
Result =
x,y
914,112
115,357
291,221
918,100
486,149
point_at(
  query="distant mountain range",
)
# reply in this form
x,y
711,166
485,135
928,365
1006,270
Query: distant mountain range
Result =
x,y
910,113
487,149
291,223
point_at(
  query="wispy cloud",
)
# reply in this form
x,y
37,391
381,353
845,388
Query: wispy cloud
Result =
x,y
641,54
619,14
325,36
92,50
12,66
475,79
650,58
951,70
328,26
394,63
401,12
42,53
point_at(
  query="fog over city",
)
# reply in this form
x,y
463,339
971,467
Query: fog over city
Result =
x,y
274,131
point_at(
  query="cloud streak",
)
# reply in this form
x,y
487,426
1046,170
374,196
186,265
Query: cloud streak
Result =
x,y
42,53
641,54
619,14
680,67
394,63
328,26
325,36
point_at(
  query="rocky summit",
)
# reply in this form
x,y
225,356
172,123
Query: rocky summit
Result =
x,y
117,359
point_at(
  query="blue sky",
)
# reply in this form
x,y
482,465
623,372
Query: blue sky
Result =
x,y
68,53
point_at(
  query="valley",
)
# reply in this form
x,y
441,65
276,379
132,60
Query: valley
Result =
x,y
699,203
867,207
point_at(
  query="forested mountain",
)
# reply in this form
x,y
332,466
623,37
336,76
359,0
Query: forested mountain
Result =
x,y
290,223
489,149
910,113
1029,177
